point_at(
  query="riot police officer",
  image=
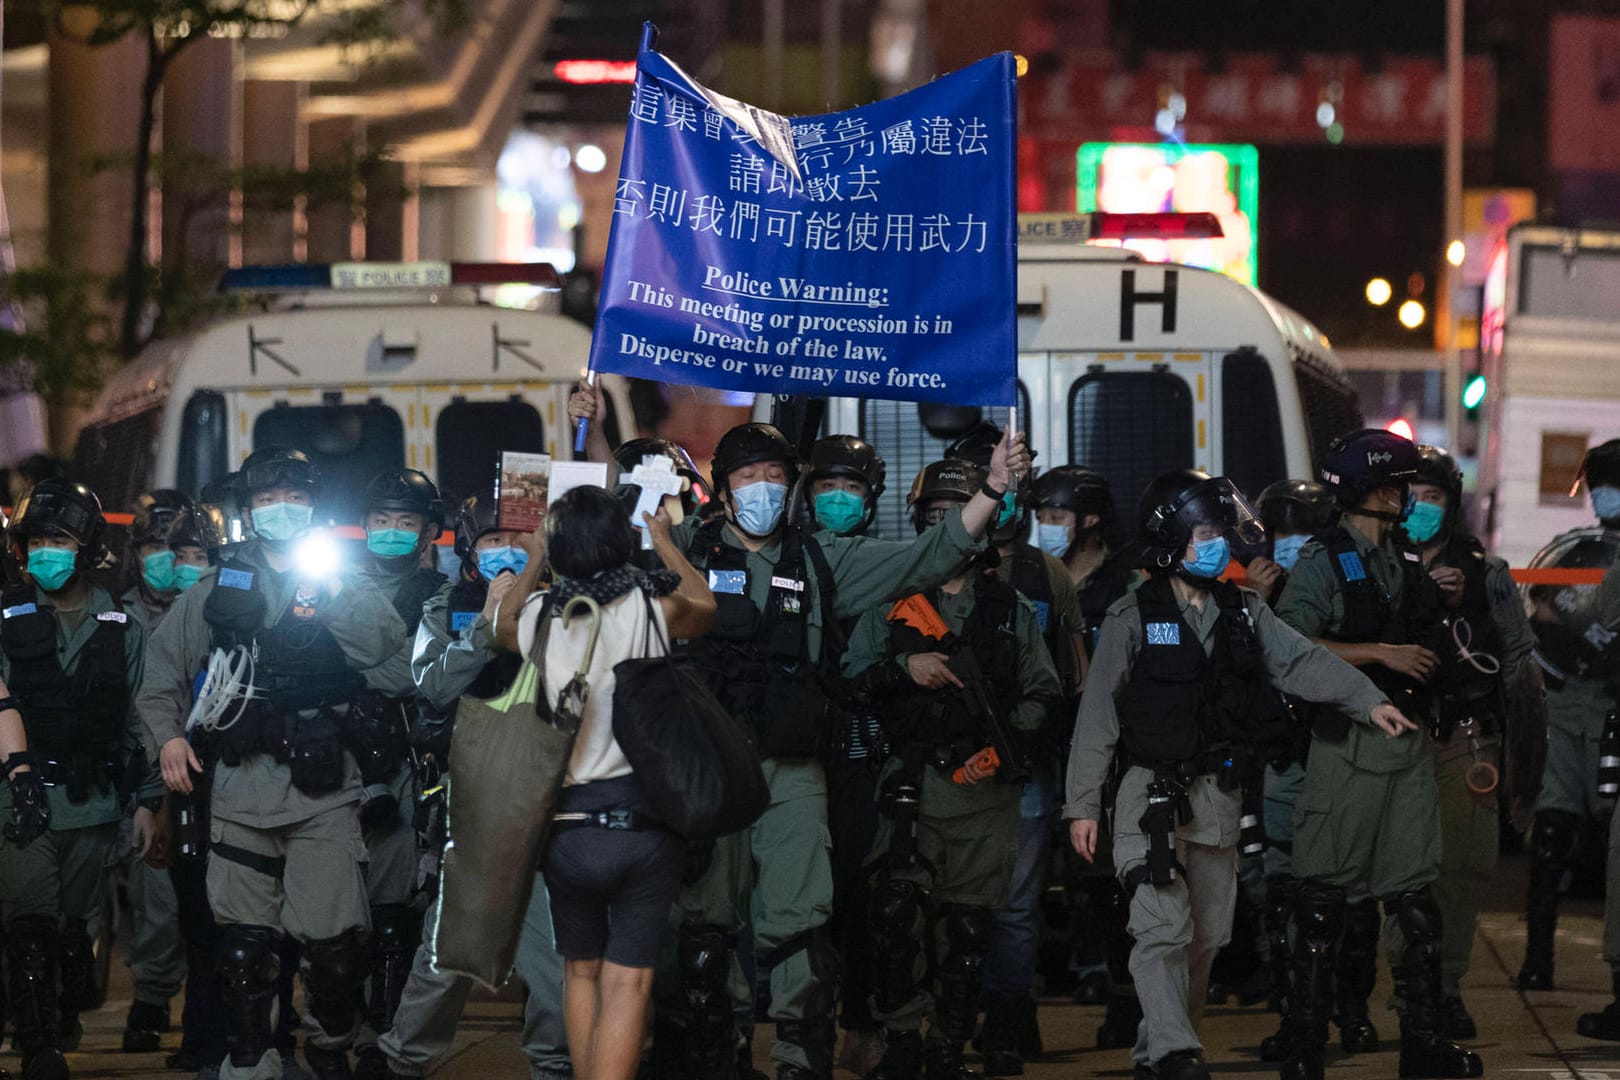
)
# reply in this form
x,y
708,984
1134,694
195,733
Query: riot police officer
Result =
x,y
781,590
1368,820
286,852
72,657
454,656
1578,659
157,955
845,476
1605,1023
956,670
1185,688
403,516
1485,661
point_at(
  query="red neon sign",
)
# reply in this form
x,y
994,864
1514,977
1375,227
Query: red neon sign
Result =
x,y
587,72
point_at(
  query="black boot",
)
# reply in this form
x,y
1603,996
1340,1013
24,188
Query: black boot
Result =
x,y
143,1029
1120,1023
998,1040
1552,843
32,965
1181,1065
1318,927
1604,1024
1425,1053
79,993
1455,1020
942,1059
902,1057
1355,977
1280,895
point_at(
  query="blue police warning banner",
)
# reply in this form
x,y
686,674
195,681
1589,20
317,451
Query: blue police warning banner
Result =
x,y
867,253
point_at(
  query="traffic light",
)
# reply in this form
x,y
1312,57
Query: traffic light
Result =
x,y
1473,395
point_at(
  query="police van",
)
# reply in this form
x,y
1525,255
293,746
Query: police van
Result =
x,y
1133,368
367,367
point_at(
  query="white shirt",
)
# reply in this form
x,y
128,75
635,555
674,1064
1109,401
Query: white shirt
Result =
x,y
624,623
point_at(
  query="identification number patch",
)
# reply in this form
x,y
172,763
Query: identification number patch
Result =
x,y
1163,633
112,616
734,582
235,579
1350,563
19,609
460,620
1043,612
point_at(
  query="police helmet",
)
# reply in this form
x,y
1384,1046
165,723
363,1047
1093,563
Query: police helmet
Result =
x,y
749,444
406,491
1297,507
1600,467
275,467
977,444
476,516
62,508
1078,489
1177,502
1365,460
847,455
951,479
201,525
154,516
630,454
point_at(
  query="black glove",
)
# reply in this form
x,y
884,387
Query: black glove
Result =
x,y
30,813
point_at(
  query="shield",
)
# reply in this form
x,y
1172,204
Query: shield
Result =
x,y
1571,641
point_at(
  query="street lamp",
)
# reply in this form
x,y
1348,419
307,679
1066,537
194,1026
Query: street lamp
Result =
x,y
1456,251
1411,314
1379,292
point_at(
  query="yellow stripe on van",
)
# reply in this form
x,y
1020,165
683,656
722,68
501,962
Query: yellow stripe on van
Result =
x,y
410,414
551,413
436,388
301,391
256,391
1150,357
243,414
358,390
1110,356
428,450
503,387
426,409
1200,434
1200,386
1192,357
413,455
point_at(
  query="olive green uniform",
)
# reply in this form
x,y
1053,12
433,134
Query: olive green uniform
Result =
x,y
784,856
1369,817
1469,829
967,835
1178,928
320,892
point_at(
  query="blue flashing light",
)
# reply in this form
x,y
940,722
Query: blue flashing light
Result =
x,y
286,277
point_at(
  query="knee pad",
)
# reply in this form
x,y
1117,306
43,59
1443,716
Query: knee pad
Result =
x,y
896,914
248,969
961,970
1418,916
395,928
31,962
1554,836
896,906
704,955
1319,915
334,971
78,967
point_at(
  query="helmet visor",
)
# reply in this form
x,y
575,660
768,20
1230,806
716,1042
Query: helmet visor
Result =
x,y
47,511
1218,503
279,473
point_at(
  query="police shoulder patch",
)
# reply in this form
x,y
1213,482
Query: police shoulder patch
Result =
x,y
234,579
1163,633
1350,563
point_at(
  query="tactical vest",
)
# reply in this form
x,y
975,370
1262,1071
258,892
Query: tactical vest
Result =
x,y
379,724
1462,687
1029,576
74,720
1182,704
1370,615
1108,583
759,661
950,717
466,603
297,663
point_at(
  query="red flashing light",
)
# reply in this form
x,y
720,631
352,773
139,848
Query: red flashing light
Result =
x,y
593,72
1399,426
481,273
1167,226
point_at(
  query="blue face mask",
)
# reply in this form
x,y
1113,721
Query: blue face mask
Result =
x,y
1606,503
52,568
1008,511
186,575
1423,521
157,570
283,521
1055,540
1285,550
840,511
390,543
491,561
759,507
1210,558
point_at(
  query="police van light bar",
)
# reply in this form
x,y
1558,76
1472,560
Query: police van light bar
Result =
x,y
1103,225
303,277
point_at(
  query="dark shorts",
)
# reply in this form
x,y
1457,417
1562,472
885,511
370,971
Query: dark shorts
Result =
x,y
611,890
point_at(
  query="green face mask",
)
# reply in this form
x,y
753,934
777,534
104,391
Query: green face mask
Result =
x,y
51,568
840,511
1009,510
390,543
157,570
1423,521
186,575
